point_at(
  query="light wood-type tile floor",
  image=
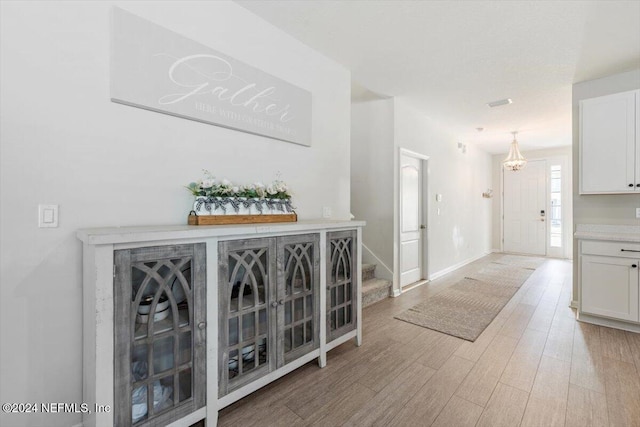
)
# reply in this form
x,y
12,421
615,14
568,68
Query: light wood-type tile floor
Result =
x,y
535,365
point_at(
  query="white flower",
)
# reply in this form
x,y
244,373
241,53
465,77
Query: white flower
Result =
x,y
259,185
226,182
271,190
207,183
235,190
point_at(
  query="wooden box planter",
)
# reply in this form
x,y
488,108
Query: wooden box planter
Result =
x,y
239,210
239,219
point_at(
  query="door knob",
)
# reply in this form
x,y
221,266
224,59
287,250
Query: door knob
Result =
x,y
630,185
274,304
202,325
634,265
422,227
281,302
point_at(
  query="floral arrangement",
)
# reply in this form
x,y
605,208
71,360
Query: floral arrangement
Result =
x,y
223,197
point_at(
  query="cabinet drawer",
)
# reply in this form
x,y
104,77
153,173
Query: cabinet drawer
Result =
x,y
617,249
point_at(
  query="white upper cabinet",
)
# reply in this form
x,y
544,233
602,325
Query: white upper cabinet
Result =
x,y
609,145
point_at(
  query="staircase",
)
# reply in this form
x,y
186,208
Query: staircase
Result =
x,y
373,289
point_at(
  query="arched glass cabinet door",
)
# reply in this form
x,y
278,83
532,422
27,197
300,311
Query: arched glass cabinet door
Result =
x,y
298,296
341,283
160,317
247,311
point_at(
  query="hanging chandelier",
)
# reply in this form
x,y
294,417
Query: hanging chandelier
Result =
x,y
515,160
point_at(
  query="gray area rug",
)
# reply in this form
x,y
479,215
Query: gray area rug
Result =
x,y
466,308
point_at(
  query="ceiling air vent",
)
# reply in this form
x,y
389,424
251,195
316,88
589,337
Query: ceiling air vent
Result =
x,y
500,102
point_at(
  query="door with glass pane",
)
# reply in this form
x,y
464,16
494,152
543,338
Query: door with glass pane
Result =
x,y
247,311
159,320
298,296
341,283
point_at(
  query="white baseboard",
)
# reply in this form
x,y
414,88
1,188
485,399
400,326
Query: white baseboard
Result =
x,y
610,323
573,304
396,293
496,251
456,266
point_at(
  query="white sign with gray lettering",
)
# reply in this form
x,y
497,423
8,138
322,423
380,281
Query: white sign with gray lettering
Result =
x,y
159,70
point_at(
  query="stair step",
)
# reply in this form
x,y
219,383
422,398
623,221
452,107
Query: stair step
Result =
x,y
368,272
374,290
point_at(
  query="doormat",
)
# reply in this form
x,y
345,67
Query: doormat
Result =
x,y
466,308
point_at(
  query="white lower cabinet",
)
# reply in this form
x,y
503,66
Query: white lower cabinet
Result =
x,y
608,280
610,287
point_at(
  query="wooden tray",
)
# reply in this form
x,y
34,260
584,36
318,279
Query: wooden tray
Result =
x,y
240,219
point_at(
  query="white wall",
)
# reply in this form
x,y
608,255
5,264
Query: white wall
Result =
x,y
606,208
551,154
105,164
372,178
462,231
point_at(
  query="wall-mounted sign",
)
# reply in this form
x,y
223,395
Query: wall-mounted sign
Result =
x,y
157,69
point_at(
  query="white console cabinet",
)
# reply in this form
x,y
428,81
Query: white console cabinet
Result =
x,y
609,283
610,144
181,321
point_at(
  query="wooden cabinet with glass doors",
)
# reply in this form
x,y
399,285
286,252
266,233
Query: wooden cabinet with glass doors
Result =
x,y
159,334
268,305
341,283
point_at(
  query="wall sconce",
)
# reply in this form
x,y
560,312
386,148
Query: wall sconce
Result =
x,y
488,194
462,147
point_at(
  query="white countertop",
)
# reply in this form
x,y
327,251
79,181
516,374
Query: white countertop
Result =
x,y
618,233
114,235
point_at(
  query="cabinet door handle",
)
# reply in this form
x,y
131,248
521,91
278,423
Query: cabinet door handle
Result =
x,y
281,302
637,185
633,265
628,250
630,185
202,325
274,304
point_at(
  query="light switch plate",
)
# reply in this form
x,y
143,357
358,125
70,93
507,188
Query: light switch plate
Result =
x,y
47,216
637,212
326,212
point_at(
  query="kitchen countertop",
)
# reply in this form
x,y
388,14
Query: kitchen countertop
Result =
x,y
618,233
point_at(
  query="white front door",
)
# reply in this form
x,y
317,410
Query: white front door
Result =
x,y
525,201
410,220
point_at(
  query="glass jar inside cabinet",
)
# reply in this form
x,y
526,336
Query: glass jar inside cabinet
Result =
x,y
160,317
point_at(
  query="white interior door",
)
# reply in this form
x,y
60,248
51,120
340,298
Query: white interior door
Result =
x,y
410,220
525,201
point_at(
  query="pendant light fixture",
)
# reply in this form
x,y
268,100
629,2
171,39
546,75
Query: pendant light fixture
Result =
x,y
515,160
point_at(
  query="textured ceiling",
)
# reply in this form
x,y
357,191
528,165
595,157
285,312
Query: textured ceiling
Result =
x,y
449,58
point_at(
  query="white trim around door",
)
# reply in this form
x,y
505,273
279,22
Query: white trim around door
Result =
x,y
411,248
